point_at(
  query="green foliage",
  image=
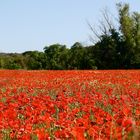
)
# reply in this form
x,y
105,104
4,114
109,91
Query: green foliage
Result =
x,y
130,30
35,60
13,61
57,56
117,48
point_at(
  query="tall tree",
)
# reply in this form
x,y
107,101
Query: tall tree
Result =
x,y
118,48
130,30
76,56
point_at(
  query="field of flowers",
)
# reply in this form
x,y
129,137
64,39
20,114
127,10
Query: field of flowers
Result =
x,y
71,105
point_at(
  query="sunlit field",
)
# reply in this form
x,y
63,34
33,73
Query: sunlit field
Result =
x,y
71,105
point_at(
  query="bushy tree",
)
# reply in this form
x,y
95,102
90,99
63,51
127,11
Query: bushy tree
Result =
x,y
35,60
130,30
57,56
118,49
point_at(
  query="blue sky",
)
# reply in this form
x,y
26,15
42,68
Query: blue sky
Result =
x,y
33,24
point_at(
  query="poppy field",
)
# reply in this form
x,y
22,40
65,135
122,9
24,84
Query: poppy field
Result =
x,y
70,105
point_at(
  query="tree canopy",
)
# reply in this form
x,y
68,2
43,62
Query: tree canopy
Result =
x,y
116,48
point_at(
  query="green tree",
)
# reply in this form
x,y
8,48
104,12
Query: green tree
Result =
x,y
76,56
35,60
130,30
57,56
115,48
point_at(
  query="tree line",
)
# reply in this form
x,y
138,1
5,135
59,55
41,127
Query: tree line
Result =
x,y
116,48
